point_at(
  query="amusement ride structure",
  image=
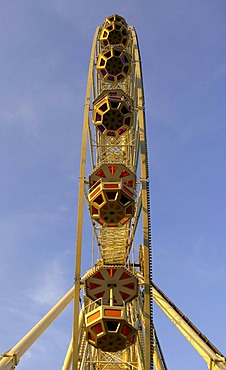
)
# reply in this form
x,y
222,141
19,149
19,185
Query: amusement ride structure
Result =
x,y
113,324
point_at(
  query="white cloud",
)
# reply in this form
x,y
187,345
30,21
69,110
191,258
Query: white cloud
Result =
x,y
49,284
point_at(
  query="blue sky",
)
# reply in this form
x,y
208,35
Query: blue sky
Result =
x,y
45,48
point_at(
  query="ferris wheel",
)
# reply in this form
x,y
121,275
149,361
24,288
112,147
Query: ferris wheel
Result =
x,y
117,305
113,326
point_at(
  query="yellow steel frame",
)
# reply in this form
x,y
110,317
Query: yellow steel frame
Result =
x,y
11,358
102,146
147,352
81,195
210,354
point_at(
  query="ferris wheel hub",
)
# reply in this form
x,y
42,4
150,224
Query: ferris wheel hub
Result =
x,y
103,278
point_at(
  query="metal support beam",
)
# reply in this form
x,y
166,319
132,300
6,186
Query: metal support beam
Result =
x,y
158,358
145,211
11,358
211,355
68,358
81,196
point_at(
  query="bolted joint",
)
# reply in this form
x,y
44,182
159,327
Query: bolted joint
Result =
x,y
13,357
